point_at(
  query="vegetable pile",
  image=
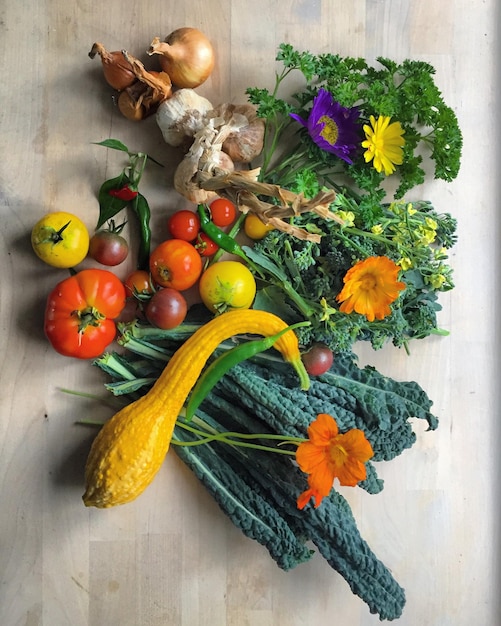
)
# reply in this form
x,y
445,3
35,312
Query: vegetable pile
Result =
x,y
293,241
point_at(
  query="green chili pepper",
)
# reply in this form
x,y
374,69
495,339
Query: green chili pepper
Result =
x,y
217,235
142,211
218,368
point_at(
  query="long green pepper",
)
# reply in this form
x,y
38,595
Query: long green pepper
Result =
x,y
142,211
218,236
220,366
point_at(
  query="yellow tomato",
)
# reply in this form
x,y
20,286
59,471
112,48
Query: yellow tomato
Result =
x,y
60,239
227,285
255,228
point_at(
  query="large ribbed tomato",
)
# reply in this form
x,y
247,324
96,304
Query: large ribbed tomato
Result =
x,y
80,311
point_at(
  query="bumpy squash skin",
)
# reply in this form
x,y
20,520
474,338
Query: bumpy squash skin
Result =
x,y
131,447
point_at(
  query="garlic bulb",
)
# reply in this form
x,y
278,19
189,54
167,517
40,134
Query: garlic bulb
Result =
x,y
245,143
205,155
182,116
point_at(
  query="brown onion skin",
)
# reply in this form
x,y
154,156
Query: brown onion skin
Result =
x,y
187,56
117,72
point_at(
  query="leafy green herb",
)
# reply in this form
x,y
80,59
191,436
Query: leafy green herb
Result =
x,y
405,92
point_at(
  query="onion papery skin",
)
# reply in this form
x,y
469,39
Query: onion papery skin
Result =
x,y
186,55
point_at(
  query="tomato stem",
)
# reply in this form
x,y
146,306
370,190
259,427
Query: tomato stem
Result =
x,y
89,316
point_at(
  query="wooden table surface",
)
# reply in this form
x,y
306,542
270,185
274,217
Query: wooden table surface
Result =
x,y
172,557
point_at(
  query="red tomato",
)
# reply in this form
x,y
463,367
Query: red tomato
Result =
x,y
175,263
205,245
166,309
138,283
223,212
80,311
184,224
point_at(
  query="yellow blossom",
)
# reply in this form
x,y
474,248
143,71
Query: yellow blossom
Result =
x,y
431,223
426,236
405,263
437,281
348,217
377,229
383,144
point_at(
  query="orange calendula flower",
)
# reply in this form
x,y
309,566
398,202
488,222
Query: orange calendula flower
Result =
x,y
370,286
383,144
329,454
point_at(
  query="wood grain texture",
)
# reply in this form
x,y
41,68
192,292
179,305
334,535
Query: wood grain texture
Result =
x,y
171,557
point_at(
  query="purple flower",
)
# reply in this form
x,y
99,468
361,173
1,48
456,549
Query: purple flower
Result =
x,y
332,127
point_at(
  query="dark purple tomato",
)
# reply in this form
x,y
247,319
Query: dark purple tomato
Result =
x,y
166,309
318,359
108,248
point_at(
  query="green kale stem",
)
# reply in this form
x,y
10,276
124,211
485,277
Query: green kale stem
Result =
x,y
236,439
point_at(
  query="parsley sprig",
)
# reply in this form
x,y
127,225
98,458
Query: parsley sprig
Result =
x,y
406,92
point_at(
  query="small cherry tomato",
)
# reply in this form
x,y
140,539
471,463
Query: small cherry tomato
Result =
x,y
255,228
108,247
166,309
205,245
175,263
138,283
184,224
80,313
318,359
227,285
60,239
223,212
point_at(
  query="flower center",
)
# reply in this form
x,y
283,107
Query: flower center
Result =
x,y
330,131
337,453
368,282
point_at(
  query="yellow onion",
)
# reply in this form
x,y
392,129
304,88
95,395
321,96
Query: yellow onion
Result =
x,y
117,71
186,55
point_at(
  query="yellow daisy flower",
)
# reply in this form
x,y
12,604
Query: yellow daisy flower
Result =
x,y
383,144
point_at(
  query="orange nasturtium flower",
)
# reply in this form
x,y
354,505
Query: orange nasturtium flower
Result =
x,y
370,286
383,144
329,454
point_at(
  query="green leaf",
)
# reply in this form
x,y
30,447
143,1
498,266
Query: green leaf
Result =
x,y
115,144
109,205
272,299
264,262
